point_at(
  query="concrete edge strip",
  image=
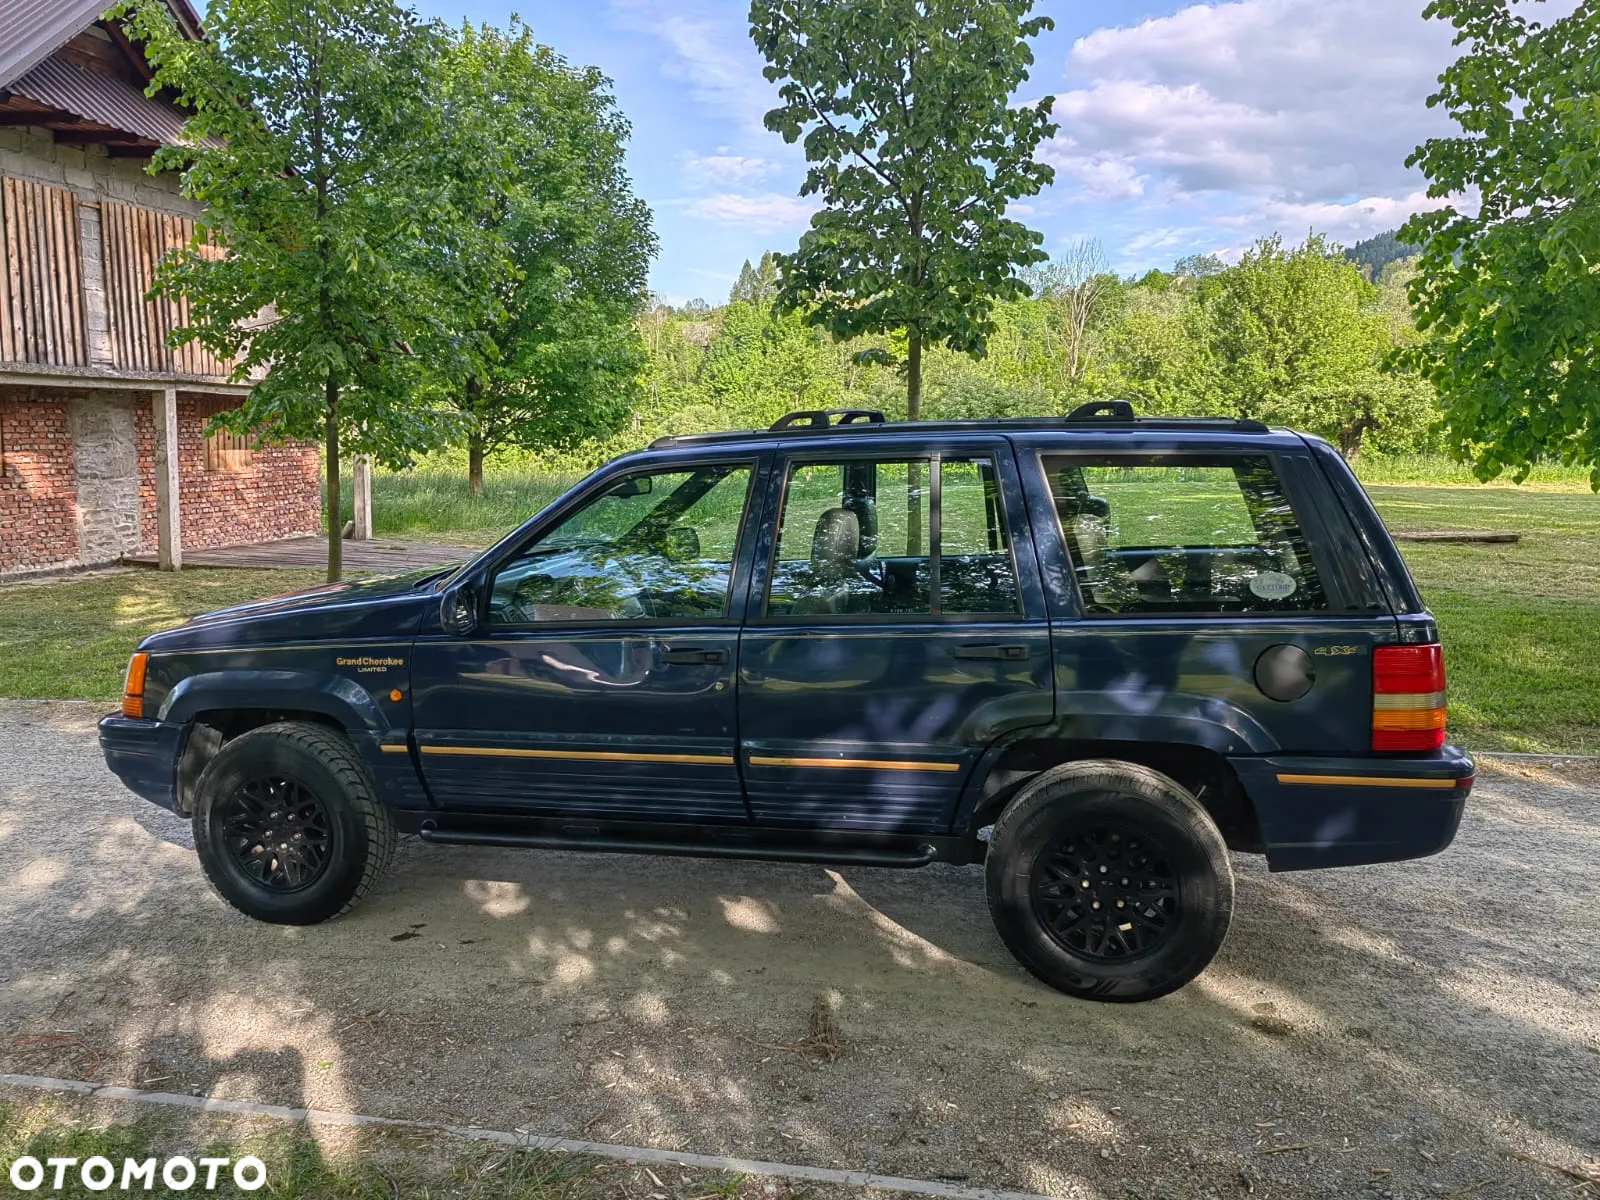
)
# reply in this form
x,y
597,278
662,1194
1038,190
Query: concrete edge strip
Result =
x,y
1521,755
525,1141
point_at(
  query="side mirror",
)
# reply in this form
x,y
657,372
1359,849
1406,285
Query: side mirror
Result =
x,y
458,609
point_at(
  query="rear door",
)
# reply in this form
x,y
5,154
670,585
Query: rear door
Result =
x,y
896,628
1208,599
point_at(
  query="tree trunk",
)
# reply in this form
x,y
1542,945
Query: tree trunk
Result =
x,y
335,505
914,375
475,462
1350,438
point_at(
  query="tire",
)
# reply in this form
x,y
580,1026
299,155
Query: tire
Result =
x,y
306,784
1082,822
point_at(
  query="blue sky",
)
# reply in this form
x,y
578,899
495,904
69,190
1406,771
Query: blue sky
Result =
x,y
1183,128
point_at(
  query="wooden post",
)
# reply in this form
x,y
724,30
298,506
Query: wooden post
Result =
x,y
362,531
169,543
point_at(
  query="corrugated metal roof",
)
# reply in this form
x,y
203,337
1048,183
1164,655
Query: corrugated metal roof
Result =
x,y
36,28
101,99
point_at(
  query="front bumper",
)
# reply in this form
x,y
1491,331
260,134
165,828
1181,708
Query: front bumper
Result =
x,y
144,755
1344,812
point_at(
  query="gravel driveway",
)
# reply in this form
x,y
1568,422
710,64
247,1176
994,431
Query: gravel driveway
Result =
x,y
1427,1029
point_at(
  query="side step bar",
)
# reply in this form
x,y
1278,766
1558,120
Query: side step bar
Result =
x,y
896,852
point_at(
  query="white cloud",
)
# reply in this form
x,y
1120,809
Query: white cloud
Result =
x,y
708,49
1294,113
768,213
725,170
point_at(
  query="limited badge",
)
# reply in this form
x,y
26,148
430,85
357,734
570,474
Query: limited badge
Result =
x,y
1273,585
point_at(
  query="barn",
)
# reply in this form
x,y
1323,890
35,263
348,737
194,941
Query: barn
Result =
x,y
103,449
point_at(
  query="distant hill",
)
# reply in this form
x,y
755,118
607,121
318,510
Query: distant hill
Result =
x,y
1374,254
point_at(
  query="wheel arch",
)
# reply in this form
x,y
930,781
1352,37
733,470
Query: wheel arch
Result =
x,y
216,707
1202,771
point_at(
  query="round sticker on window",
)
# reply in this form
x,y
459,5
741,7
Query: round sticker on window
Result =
x,y
1273,585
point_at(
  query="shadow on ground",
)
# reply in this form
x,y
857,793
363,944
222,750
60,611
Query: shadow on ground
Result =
x,y
1407,1030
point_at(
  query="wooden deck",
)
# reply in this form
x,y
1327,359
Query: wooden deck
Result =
x,y
379,556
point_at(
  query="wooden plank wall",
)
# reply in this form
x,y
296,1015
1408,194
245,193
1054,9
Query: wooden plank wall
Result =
x,y
135,240
41,300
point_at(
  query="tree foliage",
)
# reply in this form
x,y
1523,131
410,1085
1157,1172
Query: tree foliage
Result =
x,y
1509,290
904,108
1293,335
757,285
337,252
566,358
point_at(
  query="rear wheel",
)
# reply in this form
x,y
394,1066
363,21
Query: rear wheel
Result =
x,y
288,824
1109,881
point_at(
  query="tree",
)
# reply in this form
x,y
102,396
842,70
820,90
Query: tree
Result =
x,y
757,285
916,150
1510,291
349,274
1076,286
566,354
1298,336
1199,266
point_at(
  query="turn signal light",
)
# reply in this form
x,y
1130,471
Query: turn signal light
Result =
x,y
1408,704
133,688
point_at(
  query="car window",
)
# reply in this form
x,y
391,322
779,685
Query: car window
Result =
x,y
855,539
653,546
976,571
1182,534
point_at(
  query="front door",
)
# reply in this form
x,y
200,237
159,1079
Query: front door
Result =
x,y
896,629
600,682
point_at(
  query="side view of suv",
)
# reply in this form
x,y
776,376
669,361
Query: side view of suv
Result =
x,y
1094,654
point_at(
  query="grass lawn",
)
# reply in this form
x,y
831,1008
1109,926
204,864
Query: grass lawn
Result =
x,y
1520,622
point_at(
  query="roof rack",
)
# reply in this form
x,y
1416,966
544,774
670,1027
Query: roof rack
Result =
x,y
1096,414
821,418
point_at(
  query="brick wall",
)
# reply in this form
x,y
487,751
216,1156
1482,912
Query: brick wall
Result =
x,y
278,495
38,487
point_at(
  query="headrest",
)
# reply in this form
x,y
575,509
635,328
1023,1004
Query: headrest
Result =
x,y
837,535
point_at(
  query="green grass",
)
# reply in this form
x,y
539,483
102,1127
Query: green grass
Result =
x,y
1519,621
433,504
343,1164
70,639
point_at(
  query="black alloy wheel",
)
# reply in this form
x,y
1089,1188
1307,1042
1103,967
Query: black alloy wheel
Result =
x,y
278,832
1109,881
289,825
1106,891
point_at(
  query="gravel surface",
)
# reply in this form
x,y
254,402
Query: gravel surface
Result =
x,y
1429,1029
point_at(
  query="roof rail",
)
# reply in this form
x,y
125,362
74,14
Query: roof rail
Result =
x,y
820,418
1103,410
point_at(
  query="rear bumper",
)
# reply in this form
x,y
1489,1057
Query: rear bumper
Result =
x,y
144,755
1344,812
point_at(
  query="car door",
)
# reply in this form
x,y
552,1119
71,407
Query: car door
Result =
x,y
600,679
1202,599
896,628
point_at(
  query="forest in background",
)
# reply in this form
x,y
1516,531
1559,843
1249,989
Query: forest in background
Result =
x,y
1293,335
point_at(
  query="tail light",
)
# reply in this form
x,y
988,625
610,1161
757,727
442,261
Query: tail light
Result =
x,y
1408,707
133,687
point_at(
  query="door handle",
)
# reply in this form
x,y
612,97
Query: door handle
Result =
x,y
1010,653
694,658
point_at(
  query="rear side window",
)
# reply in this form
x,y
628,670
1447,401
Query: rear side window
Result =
x,y
1181,534
893,538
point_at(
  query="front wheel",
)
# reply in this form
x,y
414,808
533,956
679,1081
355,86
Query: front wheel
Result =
x,y
288,824
1109,881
